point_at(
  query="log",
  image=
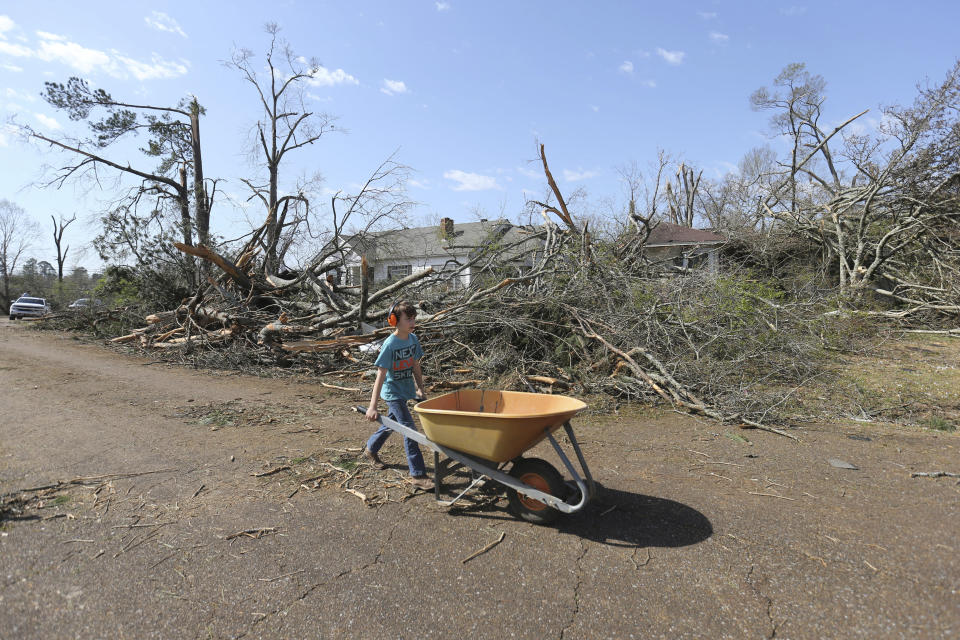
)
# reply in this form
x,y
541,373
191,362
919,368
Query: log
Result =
x,y
553,382
455,384
130,337
331,345
212,256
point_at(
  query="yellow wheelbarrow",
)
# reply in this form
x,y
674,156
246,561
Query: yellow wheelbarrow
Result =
x,y
488,432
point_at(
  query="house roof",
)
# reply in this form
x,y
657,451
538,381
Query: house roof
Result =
x,y
667,234
428,242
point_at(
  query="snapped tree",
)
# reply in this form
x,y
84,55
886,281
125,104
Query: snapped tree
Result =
x,y
174,138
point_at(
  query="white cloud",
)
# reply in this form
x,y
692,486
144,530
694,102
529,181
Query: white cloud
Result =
x,y
673,57
323,77
530,173
707,15
471,181
392,87
626,67
719,38
11,67
16,50
443,6
419,184
157,68
594,108
793,11
163,22
579,174
6,24
47,121
650,84
55,48
46,35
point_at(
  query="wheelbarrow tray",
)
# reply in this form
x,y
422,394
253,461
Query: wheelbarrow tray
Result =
x,y
494,425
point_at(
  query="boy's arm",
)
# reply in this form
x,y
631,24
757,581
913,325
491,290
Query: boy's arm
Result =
x,y
418,378
372,414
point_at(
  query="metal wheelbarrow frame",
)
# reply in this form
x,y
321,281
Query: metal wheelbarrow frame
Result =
x,y
585,487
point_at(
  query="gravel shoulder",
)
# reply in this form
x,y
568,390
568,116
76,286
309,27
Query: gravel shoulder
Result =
x,y
155,473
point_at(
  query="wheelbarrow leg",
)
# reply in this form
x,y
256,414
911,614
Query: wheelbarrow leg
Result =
x,y
438,473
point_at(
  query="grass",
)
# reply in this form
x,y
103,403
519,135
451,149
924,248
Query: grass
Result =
x,y
61,499
910,379
939,423
217,418
346,465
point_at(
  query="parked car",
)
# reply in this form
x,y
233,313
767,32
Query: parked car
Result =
x,y
29,307
83,303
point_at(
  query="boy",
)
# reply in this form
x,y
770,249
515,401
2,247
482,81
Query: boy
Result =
x,y
399,379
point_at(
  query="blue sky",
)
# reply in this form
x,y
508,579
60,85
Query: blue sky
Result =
x,y
463,89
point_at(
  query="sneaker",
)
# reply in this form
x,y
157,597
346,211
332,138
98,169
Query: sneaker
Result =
x,y
422,482
373,459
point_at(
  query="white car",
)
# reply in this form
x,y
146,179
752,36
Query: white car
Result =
x,y
28,306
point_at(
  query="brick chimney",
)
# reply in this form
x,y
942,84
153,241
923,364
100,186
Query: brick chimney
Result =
x,y
446,228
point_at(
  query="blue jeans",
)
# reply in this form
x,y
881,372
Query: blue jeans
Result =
x,y
398,411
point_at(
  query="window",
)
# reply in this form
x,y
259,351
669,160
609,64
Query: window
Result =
x,y
397,271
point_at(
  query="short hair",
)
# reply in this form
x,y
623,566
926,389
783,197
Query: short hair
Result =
x,y
405,308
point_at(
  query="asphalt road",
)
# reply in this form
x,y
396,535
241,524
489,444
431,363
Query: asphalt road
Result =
x,y
697,534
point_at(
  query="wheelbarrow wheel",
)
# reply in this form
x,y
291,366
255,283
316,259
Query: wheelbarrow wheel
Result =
x,y
541,475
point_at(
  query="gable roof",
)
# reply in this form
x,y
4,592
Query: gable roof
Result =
x,y
428,242
667,234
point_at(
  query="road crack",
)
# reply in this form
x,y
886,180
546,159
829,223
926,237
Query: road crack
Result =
x,y
306,594
576,592
774,625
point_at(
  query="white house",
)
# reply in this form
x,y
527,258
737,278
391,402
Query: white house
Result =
x,y
445,247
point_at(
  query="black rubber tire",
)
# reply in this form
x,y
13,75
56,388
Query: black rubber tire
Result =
x,y
547,477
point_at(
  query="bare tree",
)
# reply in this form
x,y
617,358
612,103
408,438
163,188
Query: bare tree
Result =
x,y
58,230
797,104
286,124
643,217
17,231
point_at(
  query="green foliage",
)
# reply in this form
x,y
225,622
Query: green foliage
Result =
x,y
119,285
151,288
939,423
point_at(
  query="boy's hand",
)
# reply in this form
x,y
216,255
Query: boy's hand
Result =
x,y
420,397
372,414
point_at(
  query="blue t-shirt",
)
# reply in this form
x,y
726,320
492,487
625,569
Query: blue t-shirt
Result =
x,y
397,357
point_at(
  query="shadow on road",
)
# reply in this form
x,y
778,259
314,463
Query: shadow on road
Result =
x,y
621,519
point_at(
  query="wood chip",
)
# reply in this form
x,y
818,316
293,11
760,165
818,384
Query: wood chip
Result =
x,y
485,549
251,533
271,471
357,493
